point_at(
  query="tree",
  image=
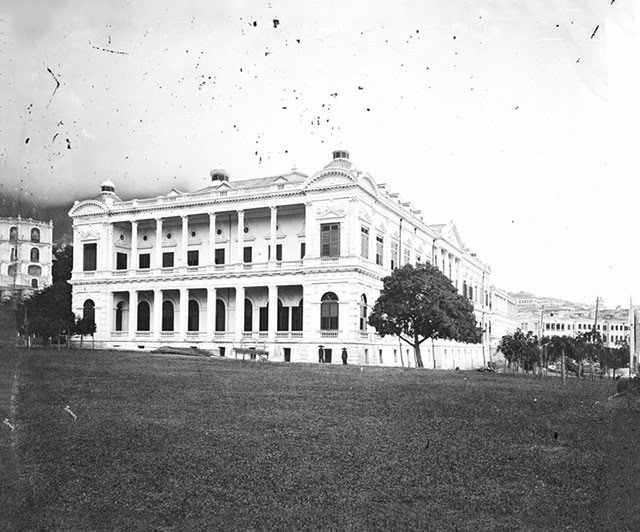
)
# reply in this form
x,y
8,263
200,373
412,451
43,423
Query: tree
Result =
x,y
420,302
520,349
84,327
48,312
559,348
617,358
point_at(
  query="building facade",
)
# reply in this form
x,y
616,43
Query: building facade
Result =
x,y
284,263
613,326
503,319
25,256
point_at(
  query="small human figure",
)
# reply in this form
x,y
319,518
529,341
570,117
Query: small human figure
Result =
x,y
321,354
344,356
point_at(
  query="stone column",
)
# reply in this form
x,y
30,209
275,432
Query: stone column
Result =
x,y
77,250
273,232
133,312
240,236
157,312
158,242
212,237
211,312
108,255
185,239
273,311
239,328
311,232
183,319
110,310
133,264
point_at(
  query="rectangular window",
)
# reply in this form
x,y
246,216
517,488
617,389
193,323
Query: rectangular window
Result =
x,y
394,255
192,257
364,242
144,261
89,257
303,249
247,254
167,259
330,240
219,256
121,261
278,251
379,250
407,255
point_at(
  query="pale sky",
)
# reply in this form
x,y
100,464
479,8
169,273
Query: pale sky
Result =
x,y
515,119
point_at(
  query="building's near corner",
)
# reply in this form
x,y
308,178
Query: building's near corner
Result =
x,y
284,263
25,256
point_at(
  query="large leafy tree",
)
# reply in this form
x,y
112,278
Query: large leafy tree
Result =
x,y
419,302
48,312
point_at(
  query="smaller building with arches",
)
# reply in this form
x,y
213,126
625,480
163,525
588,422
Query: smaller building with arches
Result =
x,y
25,255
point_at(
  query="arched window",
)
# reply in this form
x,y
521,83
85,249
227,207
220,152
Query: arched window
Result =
x,y
329,312
119,310
34,271
220,315
363,312
35,255
464,288
89,311
35,235
248,315
13,234
144,316
193,319
34,283
11,270
167,315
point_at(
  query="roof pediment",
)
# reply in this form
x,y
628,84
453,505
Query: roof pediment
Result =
x,y
88,208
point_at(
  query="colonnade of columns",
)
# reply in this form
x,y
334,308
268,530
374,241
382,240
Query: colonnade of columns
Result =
x,y
181,258
233,330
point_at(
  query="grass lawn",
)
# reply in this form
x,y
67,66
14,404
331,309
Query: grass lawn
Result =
x,y
181,443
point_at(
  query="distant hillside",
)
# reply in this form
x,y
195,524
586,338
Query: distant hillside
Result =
x,y
62,231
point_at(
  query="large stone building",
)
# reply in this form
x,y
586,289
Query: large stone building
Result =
x,y
25,256
285,263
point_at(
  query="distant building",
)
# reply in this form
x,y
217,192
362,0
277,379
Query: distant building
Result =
x,y
285,263
614,327
25,255
504,318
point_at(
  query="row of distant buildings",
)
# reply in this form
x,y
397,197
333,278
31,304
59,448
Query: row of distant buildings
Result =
x,y
553,317
283,264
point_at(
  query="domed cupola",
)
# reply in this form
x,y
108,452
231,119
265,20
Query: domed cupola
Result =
x,y
108,193
219,175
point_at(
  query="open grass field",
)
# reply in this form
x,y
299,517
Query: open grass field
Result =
x,y
180,443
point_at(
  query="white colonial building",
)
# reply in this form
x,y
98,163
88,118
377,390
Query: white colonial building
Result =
x,y
284,263
25,255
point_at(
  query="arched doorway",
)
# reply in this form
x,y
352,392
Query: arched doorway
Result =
x,y
167,315
221,316
248,315
193,319
89,311
119,313
144,316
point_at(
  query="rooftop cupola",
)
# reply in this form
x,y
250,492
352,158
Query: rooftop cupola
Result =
x,y
340,154
219,174
108,186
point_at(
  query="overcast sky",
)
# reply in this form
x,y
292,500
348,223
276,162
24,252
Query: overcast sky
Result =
x,y
509,117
